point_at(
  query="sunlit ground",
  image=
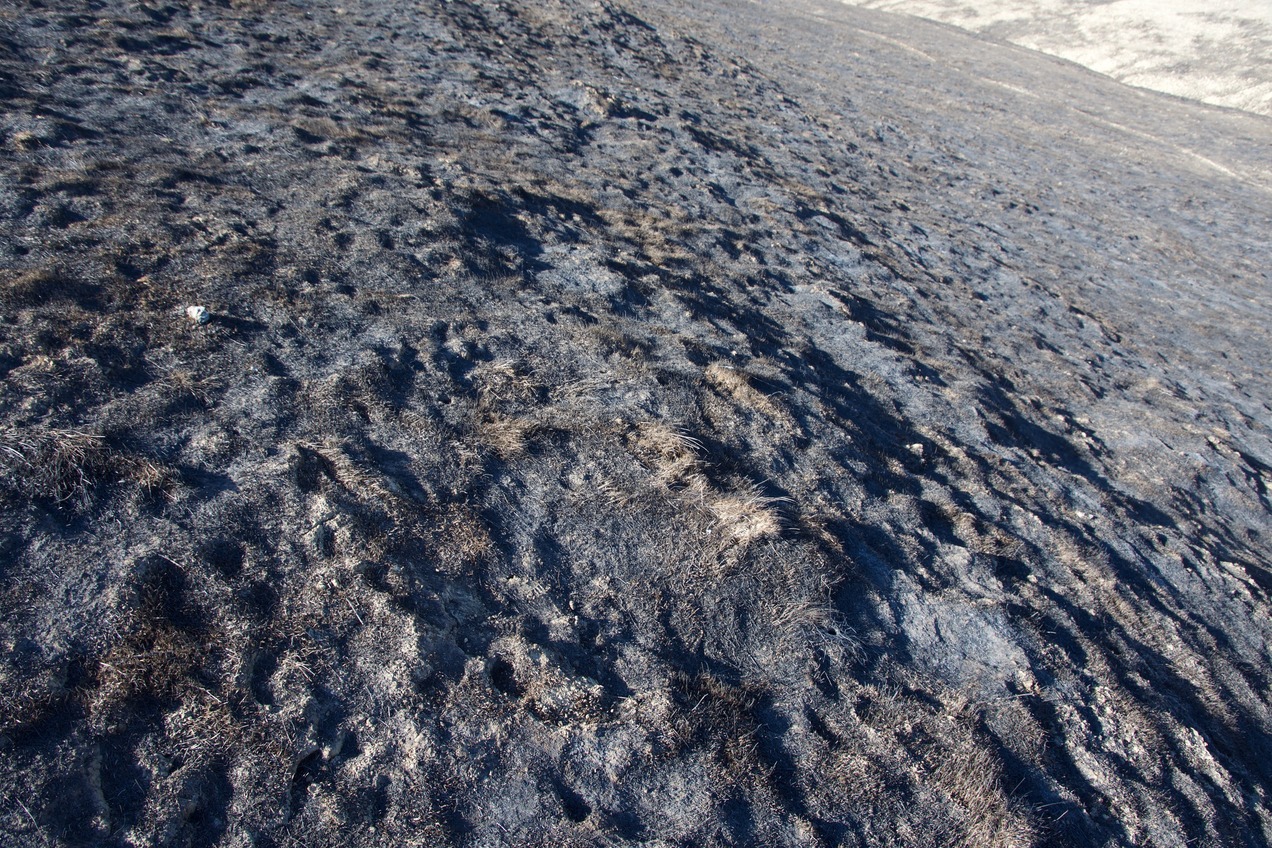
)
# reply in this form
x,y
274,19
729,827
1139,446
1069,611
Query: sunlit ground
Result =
x,y
1216,51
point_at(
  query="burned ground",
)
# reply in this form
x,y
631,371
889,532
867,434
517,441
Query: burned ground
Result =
x,y
686,424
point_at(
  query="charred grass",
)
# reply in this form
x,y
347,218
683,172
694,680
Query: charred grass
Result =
x,y
566,464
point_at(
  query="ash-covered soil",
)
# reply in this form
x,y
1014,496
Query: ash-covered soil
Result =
x,y
708,423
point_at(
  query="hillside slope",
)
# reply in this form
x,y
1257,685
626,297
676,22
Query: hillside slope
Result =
x,y
1215,51
709,423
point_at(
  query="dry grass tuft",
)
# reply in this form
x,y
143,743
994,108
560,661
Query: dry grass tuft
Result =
x,y
509,438
736,518
152,479
462,540
204,726
656,230
333,459
744,518
821,622
186,383
506,382
25,140
157,661
735,384
672,455
950,769
30,288
617,494
971,777
719,714
56,465
63,466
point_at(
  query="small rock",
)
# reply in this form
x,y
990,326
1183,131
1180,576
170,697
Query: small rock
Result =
x,y
198,314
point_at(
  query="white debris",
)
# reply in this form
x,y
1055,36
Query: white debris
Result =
x,y
198,314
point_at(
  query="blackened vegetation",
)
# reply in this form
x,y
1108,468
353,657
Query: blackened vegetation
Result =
x,y
690,424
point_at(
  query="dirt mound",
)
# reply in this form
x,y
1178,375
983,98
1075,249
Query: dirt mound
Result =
x,y
683,424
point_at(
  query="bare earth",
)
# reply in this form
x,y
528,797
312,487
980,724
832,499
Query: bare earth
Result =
x,y
623,423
